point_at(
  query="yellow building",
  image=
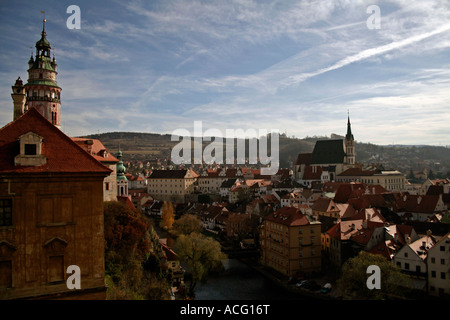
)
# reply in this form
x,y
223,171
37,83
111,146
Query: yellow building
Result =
x,y
290,242
390,180
171,185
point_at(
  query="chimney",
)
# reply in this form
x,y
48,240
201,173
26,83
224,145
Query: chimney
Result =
x,y
364,224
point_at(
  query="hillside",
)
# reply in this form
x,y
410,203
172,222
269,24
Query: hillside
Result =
x,y
146,146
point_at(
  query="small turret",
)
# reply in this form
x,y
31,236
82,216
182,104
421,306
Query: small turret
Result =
x,y
122,181
19,98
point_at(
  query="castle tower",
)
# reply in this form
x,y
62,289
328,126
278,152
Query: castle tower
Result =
x,y
41,91
350,145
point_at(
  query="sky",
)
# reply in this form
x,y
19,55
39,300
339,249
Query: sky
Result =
x,y
298,67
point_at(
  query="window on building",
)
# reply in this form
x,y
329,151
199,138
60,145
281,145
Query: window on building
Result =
x,y
433,274
5,212
56,269
30,149
442,275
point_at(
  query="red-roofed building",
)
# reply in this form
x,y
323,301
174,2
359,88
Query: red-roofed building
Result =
x,y
420,207
97,150
346,238
290,242
172,185
51,212
391,180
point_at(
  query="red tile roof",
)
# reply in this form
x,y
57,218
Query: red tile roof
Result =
x,y
304,158
63,155
312,173
383,249
349,190
324,205
353,172
288,216
417,203
96,149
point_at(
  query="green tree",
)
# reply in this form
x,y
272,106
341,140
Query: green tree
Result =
x,y
187,224
353,281
202,254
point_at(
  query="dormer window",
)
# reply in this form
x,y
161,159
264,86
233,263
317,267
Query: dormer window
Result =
x,y
30,150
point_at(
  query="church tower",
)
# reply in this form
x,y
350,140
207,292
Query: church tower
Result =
x,y
350,145
122,181
41,91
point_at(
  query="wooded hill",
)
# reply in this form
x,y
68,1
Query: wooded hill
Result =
x,y
147,146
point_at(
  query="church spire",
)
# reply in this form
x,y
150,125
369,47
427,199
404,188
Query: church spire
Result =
x,y
350,144
349,135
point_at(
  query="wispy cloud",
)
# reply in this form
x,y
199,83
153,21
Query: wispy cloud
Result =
x,y
368,53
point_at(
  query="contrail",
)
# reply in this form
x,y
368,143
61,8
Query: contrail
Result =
x,y
369,53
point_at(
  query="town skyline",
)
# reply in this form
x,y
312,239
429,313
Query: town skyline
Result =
x,y
237,64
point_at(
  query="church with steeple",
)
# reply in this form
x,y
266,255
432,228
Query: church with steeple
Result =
x,y
41,90
328,159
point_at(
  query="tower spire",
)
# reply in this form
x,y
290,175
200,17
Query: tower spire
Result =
x,y
350,143
43,24
349,135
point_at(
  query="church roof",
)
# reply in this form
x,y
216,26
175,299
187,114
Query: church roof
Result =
x,y
63,155
328,151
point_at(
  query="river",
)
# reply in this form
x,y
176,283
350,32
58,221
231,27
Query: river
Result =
x,y
240,282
